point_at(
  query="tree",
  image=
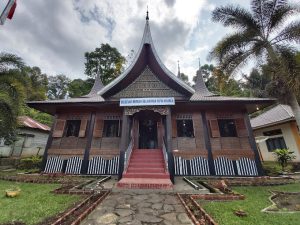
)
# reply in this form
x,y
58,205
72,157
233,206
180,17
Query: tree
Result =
x,y
12,94
106,60
264,34
80,87
219,83
10,61
185,78
257,82
37,83
58,86
284,156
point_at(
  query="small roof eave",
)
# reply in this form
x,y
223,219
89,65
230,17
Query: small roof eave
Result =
x,y
147,39
273,124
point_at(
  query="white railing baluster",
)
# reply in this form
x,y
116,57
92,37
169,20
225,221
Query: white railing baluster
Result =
x,y
128,154
165,156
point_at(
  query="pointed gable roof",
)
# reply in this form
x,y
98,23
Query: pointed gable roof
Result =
x,y
97,86
200,87
146,55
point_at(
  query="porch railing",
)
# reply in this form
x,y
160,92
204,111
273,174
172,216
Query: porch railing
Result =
x,y
128,154
164,149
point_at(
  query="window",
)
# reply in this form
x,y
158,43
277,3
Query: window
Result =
x,y
227,128
72,128
275,143
185,128
112,128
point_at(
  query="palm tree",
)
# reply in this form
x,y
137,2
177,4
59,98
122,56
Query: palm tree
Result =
x,y
265,34
12,94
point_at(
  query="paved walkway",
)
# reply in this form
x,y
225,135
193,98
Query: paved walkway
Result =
x,y
131,208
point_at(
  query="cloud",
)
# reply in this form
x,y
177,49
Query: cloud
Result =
x,y
54,35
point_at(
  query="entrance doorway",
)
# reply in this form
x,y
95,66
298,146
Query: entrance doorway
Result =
x,y
148,134
147,130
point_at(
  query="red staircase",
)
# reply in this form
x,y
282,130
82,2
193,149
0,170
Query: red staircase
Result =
x,y
146,170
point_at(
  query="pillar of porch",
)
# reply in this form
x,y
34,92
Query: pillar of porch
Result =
x,y
90,129
253,145
169,146
125,136
48,145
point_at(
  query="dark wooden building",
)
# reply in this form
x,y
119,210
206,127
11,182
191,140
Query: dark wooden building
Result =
x,y
148,123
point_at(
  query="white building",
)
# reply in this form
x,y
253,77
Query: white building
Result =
x,y
32,139
276,128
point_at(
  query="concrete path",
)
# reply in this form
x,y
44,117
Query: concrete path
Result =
x,y
132,208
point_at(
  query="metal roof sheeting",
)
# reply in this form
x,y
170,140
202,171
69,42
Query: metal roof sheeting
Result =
x,y
279,113
31,123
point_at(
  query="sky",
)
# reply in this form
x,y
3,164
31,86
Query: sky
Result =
x,y
54,35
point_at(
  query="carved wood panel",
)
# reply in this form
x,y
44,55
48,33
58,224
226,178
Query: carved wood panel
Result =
x,y
147,84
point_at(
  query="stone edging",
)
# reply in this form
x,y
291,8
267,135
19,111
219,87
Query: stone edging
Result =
x,y
187,201
274,194
218,197
83,214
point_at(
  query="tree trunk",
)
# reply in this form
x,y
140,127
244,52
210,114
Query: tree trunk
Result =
x,y
296,109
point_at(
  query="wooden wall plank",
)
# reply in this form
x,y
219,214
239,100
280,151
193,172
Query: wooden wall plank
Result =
x,y
59,128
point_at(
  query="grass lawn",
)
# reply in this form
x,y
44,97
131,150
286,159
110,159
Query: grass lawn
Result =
x,y
34,203
256,200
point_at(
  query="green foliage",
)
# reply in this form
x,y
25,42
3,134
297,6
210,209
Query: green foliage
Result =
x,y
262,33
273,168
79,87
185,78
12,98
58,86
284,156
41,117
257,198
33,162
37,83
10,61
35,203
219,83
106,60
257,81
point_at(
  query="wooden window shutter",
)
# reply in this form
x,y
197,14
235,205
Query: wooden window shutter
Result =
x,y
214,128
174,127
241,128
83,126
98,128
59,128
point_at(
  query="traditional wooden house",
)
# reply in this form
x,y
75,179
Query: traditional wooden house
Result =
x,y
148,123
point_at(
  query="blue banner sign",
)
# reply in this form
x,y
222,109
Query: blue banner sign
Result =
x,y
146,101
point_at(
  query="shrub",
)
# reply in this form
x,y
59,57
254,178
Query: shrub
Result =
x,y
284,156
273,168
33,162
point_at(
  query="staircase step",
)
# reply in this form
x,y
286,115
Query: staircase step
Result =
x,y
147,175
147,165
147,155
145,183
146,161
145,170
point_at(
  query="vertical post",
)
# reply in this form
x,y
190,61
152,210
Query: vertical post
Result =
x,y
124,143
208,145
48,145
90,129
253,145
169,146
